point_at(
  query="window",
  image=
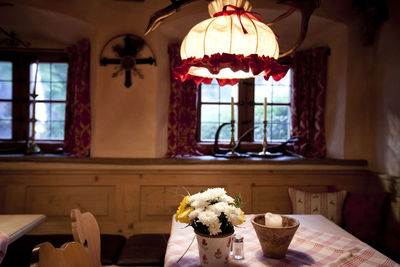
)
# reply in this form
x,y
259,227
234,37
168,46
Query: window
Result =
x,y
49,81
5,99
215,109
23,73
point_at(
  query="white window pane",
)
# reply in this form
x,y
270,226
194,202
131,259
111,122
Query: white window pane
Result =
x,y
209,93
5,129
261,91
59,72
259,114
259,132
281,94
227,92
58,112
59,91
212,116
280,132
5,90
43,72
42,112
5,71
5,80
5,110
43,90
208,130
209,113
57,130
42,130
5,120
215,93
280,114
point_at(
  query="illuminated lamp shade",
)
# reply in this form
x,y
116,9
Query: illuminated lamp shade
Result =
x,y
233,44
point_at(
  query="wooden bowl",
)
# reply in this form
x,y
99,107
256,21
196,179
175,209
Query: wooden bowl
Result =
x,y
275,241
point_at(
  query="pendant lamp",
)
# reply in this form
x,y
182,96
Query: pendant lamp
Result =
x,y
233,44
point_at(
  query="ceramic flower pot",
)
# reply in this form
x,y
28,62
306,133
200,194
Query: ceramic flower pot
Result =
x,y
214,250
275,241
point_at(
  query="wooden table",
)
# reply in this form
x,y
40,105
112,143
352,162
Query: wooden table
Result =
x,y
16,225
318,241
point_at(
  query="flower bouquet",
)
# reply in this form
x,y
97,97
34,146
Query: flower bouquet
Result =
x,y
212,214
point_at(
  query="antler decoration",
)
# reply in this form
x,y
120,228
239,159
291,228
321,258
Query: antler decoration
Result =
x,y
162,14
11,39
306,8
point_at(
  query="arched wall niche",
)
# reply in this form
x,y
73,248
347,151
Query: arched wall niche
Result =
x,y
43,28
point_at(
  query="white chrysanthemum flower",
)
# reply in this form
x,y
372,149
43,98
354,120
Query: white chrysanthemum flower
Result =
x,y
234,216
194,214
209,195
227,199
210,219
220,207
232,213
199,204
209,205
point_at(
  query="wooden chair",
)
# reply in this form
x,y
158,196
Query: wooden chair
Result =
x,y
86,232
71,254
139,250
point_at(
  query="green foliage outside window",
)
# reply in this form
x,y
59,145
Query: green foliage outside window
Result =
x,y
216,109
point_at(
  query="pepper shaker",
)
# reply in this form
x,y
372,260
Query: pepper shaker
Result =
x,y
237,247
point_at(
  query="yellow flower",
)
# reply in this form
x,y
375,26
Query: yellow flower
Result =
x,y
182,214
242,217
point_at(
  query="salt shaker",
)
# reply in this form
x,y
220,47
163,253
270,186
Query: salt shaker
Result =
x,y
237,247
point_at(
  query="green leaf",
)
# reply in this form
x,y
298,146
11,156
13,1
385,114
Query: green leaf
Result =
x,y
237,201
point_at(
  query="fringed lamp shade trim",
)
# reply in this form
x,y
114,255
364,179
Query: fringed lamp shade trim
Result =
x,y
218,64
232,45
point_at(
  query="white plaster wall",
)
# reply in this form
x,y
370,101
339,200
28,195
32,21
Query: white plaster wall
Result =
x,y
133,122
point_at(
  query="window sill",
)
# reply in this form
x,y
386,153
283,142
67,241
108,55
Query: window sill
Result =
x,y
197,160
20,147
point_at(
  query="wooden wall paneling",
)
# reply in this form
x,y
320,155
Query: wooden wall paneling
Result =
x,y
161,202
53,226
50,177
57,201
14,199
3,191
244,189
129,207
181,179
131,201
270,199
146,227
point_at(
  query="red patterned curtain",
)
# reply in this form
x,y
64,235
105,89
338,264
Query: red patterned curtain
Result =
x,y
308,101
77,119
182,111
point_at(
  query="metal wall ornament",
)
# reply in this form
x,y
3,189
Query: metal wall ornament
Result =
x,y
127,50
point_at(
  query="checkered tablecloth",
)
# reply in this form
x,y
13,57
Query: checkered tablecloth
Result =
x,y
308,247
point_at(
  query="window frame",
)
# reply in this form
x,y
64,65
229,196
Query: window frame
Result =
x,y
21,60
245,104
